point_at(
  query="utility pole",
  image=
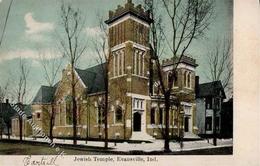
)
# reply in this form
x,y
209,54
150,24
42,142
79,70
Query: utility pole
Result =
x,y
214,123
1,121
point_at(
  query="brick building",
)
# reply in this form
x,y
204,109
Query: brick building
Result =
x,y
136,109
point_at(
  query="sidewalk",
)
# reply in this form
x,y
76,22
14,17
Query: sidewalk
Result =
x,y
157,145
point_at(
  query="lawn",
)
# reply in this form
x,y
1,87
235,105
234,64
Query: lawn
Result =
x,y
15,148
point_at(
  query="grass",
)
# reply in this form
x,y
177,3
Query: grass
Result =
x,y
29,148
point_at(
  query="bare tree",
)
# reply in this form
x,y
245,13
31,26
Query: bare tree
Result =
x,y
220,64
101,48
3,95
7,117
220,68
5,22
72,47
51,67
20,90
189,19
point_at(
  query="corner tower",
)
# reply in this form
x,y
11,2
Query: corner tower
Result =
x,y
129,56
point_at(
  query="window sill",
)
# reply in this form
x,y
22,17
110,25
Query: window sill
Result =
x,y
188,88
118,76
117,124
140,76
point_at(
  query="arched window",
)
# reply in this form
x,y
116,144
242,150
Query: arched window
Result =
x,y
160,116
189,80
68,113
119,115
169,77
175,83
100,114
185,79
68,102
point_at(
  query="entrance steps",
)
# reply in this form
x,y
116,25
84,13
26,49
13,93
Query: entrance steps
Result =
x,y
190,135
141,136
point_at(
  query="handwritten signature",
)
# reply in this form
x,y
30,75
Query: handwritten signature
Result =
x,y
50,161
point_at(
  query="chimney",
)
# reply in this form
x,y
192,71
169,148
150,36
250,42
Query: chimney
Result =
x,y
197,83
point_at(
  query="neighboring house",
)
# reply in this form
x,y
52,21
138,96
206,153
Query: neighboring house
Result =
x,y
27,128
209,99
6,112
227,119
136,109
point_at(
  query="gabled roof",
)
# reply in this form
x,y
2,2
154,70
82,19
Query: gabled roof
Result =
x,y
27,109
7,110
93,78
44,95
210,89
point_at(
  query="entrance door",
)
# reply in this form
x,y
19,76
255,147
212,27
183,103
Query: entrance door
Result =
x,y
137,121
186,124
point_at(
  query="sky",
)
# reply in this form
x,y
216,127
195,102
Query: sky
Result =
x,y
33,26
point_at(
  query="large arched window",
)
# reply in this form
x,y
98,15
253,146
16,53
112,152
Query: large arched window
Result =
x,y
100,113
119,115
68,102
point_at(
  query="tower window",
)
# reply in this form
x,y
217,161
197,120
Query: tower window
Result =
x,y
118,63
189,80
138,104
185,79
138,62
119,115
175,83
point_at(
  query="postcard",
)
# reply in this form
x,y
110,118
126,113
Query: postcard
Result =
x,y
125,82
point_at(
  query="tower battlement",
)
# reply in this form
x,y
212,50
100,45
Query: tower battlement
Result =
x,y
185,59
129,8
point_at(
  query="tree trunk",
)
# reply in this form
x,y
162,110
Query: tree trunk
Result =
x,y
74,104
8,131
1,122
214,128
74,109
106,114
166,134
52,121
125,124
20,128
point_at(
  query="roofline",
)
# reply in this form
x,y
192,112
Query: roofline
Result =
x,y
194,65
97,93
77,74
39,103
109,21
212,83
